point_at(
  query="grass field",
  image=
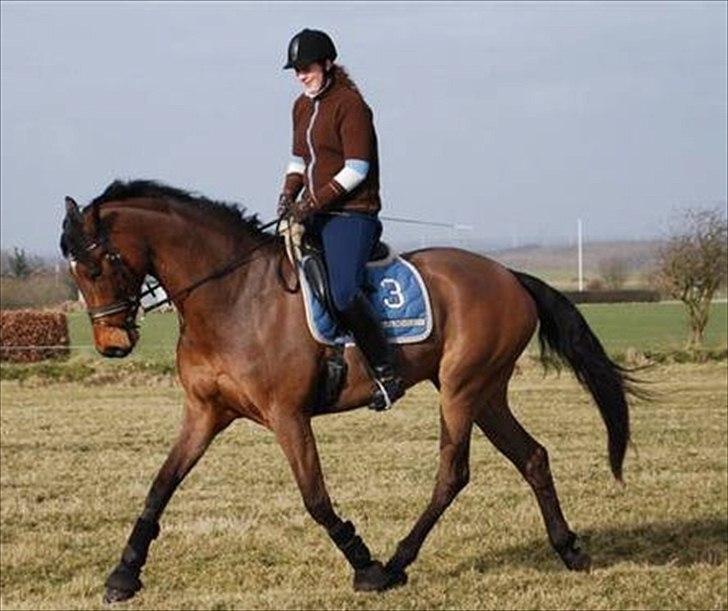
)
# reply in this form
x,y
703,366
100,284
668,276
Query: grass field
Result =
x,y
76,462
645,326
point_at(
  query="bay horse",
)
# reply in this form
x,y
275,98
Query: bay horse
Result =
x,y
241,329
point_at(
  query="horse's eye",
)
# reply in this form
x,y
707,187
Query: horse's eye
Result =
x,y
94,271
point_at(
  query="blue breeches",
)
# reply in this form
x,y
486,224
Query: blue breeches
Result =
x,y
347,242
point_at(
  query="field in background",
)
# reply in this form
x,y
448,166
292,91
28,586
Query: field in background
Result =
x,y
558,265
76,462
38,291
644,326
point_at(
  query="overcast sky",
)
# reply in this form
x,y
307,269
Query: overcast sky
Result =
x,y
515,118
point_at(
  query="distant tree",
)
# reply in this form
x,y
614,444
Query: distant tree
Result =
x,y
19,264
614,272
693,264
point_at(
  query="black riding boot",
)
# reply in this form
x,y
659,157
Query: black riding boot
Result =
x,y
361,319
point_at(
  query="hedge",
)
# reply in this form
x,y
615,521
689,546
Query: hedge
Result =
x,y
620,296
28,336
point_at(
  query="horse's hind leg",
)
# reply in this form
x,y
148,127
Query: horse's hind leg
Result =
x,y
531,459
453,473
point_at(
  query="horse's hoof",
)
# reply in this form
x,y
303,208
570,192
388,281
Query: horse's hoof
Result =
x,y
121,585
579,561
376,578
572,555
113,595
576,560
396,578
371,579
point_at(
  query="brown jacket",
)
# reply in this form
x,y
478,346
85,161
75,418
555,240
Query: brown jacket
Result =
x,y
329,128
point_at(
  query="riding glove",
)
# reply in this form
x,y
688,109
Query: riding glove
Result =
x,y
303,208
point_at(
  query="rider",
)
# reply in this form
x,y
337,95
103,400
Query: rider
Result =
x,y
335,163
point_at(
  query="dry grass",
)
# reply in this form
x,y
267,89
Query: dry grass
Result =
x,y
76,463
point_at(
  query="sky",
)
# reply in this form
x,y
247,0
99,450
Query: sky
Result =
x,y
513,118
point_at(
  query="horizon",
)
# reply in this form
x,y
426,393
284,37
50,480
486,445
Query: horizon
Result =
x,y
482,247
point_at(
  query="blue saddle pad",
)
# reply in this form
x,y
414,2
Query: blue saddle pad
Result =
x,y
398,295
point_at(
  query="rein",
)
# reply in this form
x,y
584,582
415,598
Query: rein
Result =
x,y
219,273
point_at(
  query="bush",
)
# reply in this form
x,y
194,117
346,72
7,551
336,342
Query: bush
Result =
x,y
22,330
622,296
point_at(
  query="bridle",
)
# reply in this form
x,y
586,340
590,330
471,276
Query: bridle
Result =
x,y
131,300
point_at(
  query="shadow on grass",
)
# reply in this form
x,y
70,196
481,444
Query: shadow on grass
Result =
x,y
677,543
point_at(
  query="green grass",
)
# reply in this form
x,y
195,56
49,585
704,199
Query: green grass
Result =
x,y
644,326
652,326
76,461
158,340
657,330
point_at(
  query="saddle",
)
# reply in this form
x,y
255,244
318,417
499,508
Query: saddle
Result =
x,y
307,250
393,285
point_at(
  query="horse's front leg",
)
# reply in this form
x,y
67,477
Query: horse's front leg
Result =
x,y
200,425
295,436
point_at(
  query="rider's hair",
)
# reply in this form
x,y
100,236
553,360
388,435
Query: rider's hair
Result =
x,y
341,75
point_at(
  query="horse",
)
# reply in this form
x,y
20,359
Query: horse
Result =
x,y
243,352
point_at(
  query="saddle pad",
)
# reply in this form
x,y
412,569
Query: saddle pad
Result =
x,y
398,295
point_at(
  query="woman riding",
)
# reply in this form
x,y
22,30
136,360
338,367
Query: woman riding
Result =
x,y
335,164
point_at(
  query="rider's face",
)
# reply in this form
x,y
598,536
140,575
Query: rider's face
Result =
x,y
311,77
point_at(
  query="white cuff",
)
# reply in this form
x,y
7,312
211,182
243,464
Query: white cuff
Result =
x,y
296,166
352,174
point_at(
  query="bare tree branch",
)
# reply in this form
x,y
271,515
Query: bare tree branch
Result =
x,y
693,264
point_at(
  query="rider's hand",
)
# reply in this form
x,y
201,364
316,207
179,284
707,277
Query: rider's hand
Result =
x,y
285,203
303,208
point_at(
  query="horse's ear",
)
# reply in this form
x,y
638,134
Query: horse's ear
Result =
x,y
72,236
72,210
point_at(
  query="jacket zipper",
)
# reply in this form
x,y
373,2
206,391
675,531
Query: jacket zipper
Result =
x,y
309,141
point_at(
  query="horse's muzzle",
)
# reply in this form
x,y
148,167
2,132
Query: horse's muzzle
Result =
x,y
114,342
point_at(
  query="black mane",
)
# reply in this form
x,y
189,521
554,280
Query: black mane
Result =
x,y
229,213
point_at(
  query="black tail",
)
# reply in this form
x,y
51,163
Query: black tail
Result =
x,y
564,333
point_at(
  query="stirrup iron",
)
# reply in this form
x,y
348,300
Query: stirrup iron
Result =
x,y
384,398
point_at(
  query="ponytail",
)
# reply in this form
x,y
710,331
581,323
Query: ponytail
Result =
x,y
342,76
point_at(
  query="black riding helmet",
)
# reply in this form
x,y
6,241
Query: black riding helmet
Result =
x,y
309,46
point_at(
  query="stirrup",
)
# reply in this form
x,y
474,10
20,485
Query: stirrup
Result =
x,y
388,390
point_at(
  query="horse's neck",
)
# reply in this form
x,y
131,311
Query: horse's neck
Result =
x,y
185,251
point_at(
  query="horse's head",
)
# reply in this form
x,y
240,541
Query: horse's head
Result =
x,y
108,275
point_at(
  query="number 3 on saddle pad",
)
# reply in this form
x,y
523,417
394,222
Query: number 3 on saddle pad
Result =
x,y
398,295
